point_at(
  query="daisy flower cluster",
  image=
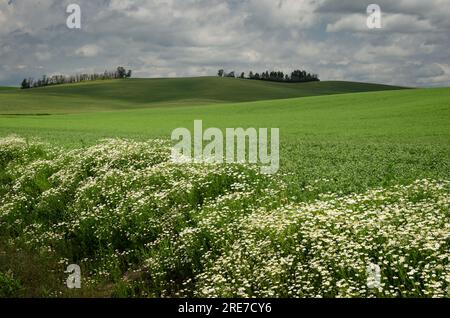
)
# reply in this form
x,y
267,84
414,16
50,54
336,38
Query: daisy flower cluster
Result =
x,y
219,230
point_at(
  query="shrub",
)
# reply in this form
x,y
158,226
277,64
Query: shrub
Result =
x,y
9,286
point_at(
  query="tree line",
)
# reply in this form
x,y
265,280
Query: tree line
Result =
x,y
120,72
274,76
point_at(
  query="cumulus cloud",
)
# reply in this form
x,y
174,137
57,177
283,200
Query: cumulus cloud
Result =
x,y
196,37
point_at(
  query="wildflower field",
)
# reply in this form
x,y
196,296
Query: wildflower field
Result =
x,y
364,182
219,230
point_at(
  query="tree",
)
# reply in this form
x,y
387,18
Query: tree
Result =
x,y
220,73
242,75
279,76
25,84
121,72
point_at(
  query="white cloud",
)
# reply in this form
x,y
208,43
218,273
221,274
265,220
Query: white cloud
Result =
x,y
89,50
401,23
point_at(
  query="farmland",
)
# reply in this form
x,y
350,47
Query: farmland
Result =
x,y
364,178
144,93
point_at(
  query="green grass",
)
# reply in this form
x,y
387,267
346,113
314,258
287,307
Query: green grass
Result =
x,y
408,114
358,140
6,88
345,144
141,225
144,93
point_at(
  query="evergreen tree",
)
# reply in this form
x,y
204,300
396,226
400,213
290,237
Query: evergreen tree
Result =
x,y
25,84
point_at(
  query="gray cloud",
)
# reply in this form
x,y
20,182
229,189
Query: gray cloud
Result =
x,y
196,37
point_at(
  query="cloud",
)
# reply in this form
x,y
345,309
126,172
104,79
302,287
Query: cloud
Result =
x,y
42,55
159,38
399,23
89,50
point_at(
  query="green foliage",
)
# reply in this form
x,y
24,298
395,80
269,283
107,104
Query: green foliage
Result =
x,y
62,79
128,214
9,286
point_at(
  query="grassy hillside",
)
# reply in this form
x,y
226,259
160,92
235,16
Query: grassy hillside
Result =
x,y
351,138
144,93
410,114
364,180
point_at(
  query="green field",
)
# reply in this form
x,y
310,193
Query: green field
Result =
x,y
349,152
145,93
351,137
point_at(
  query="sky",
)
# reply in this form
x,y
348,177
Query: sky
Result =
x,y
171,38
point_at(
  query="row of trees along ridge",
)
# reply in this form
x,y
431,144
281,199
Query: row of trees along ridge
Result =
x,y
64,79
274,76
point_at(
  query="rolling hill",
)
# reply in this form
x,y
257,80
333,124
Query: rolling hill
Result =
x,y
145,93
411,114
354,141
354,164
351,138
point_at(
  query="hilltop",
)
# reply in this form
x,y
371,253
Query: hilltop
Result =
x,y
146,93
